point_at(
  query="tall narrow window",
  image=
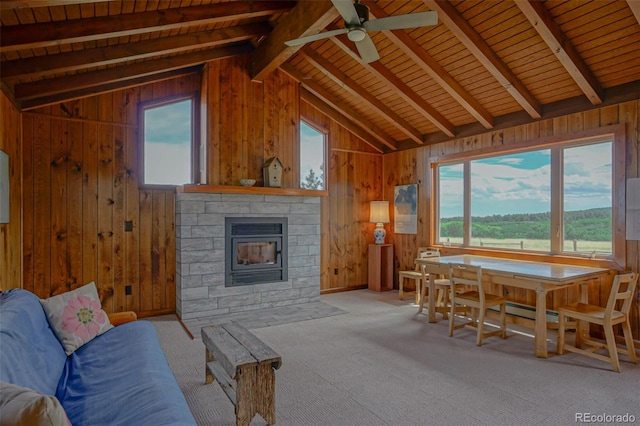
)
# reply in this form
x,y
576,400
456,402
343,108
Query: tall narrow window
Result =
x,y
451,203
312,157
587,188
168,152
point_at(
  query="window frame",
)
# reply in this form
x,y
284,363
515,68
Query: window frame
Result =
x,y
325,150
195,137
616,133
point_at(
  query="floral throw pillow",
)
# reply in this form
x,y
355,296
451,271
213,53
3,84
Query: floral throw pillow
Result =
x,y
76,317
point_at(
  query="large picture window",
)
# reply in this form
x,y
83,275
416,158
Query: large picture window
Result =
x,y
557,198
169,156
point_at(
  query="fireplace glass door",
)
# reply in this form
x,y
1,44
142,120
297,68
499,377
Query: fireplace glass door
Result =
x,y
255,250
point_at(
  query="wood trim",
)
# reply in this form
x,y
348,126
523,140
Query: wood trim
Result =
x,y
341,79
43,66
307,17
432,68
448,14
258,190
41,35
561,46
79,120
398,86
616,131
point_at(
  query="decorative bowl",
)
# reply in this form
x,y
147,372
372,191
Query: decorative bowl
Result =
x,y
247,182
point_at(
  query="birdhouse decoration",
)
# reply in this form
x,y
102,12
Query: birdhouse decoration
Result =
x,y
272,173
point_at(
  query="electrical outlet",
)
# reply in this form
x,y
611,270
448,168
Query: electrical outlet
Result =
x,y
128,226
335,271
127,290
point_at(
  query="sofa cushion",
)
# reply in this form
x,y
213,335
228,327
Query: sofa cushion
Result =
x,y
32,356
126,365
21,406
76,316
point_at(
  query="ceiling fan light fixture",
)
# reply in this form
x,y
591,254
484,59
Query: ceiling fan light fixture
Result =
x,y
357,34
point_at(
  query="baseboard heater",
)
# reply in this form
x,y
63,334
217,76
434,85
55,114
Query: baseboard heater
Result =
x,y
526,311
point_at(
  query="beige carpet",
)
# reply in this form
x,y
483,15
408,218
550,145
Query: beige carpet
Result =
x,y
383,364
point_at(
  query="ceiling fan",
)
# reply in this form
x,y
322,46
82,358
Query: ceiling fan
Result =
x,y
357,26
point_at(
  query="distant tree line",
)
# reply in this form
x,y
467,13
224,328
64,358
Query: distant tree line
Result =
x,y
583,225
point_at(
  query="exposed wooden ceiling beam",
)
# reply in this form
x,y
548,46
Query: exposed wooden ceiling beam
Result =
x,y
431,67
23,4
308,17
459,26
54,86
71,61
634,5
561,46
16,37
337,116
374,131
398,86
104,88
350,86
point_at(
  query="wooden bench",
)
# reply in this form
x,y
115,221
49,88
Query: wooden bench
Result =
x,y
245,369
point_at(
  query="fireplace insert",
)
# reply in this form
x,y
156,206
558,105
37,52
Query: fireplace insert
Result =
x,y
255,250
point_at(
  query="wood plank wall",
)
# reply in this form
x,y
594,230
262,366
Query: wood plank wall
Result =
x,y
80,185
79,180
248,122
411,167
10,256
354,177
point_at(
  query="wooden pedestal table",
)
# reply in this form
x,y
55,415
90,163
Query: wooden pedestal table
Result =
x,y
244,367
380,267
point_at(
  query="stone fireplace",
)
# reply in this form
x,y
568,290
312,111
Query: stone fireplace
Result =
x,y
202,252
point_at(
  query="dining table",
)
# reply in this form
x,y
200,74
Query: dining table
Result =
x,y
541,277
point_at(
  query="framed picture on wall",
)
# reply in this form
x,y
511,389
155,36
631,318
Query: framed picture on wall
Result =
x,y
405,209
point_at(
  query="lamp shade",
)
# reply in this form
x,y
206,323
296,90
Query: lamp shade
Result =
x,y
379,212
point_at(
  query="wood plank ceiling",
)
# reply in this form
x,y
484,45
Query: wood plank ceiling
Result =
x,y
485,65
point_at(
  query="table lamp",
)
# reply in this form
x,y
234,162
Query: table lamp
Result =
x,y
379,214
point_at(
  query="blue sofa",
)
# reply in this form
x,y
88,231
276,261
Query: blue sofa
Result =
x,y
119,378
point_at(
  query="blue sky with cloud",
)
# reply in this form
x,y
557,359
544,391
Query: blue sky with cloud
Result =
x,y
311,150
167,135
520,183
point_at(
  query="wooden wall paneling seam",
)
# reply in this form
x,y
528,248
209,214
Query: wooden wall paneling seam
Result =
x,y
27,208
74,169
58,210
42,209
132,213
90,201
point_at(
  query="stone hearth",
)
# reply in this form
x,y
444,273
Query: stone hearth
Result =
x,y
200,253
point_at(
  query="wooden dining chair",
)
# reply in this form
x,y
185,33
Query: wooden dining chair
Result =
x,y
473,296
416,273
616,312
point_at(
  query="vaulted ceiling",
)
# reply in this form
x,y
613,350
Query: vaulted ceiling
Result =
x,y
485,65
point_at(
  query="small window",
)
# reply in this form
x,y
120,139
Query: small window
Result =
x,y
168,140
312,157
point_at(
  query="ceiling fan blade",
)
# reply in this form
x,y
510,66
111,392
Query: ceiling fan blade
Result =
x,y
314,37
399,22
348,12
367,50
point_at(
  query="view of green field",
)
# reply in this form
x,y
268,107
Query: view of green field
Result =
x,y
585,231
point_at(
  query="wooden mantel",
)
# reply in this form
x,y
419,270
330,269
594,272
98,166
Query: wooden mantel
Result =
x,y
255,190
